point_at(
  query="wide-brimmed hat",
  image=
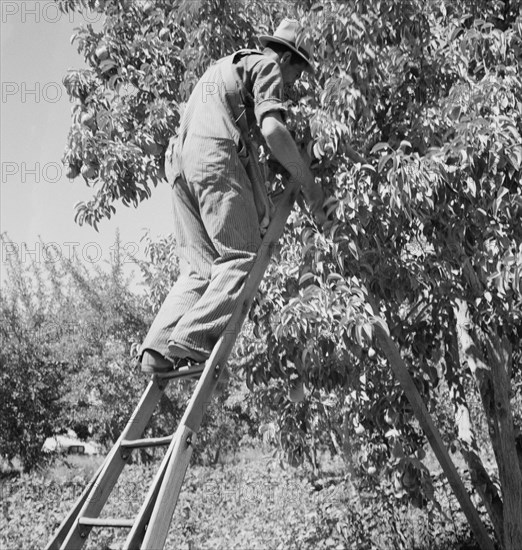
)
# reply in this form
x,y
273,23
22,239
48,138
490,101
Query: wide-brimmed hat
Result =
x,y
291,34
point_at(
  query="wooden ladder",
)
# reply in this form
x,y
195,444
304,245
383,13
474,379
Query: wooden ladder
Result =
x,y
149,529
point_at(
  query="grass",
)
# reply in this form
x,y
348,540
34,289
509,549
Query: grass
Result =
x,y
249,502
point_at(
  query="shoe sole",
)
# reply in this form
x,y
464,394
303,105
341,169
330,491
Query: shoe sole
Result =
x,y
153,363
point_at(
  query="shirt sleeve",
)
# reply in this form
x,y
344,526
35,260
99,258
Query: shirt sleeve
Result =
x,y
267,88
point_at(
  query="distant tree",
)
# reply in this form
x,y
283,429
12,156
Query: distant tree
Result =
x,y
67,332
160,269
30,382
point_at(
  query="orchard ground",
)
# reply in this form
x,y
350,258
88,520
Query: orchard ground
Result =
x,y
250,500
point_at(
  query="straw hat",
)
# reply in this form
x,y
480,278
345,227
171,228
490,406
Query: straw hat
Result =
x,y
290,33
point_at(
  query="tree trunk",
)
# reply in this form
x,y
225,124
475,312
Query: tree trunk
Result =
x,y
469,449
494,386
510,476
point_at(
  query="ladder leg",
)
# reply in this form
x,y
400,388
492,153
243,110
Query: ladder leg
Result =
x,y
114,465
168,496
135,536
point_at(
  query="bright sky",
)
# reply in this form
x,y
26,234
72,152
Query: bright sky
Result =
x,y
36,199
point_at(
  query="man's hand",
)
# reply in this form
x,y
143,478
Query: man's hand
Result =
x,y
313,192
284,149
314,196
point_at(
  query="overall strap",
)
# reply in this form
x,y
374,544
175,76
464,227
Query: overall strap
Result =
x,y
236,90
235,95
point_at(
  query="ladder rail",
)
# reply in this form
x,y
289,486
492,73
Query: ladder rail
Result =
x,y
402,374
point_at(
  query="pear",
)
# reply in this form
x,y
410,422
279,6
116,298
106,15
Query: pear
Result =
x,y
102,52
88,119
89,171
72,171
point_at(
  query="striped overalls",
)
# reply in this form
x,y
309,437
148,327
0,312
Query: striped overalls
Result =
x,y
219,199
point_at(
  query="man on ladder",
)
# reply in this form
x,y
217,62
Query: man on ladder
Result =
x,y
221,212
220,202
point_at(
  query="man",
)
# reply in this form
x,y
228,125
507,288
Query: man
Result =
x,y
219,197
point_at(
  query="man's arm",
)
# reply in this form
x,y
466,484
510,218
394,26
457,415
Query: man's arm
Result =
x,y
284,149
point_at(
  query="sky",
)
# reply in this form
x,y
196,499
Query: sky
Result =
x,y
36,199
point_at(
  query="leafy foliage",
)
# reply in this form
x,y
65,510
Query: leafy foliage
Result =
x,y
160,271
67,338
142,68
430,94
30,388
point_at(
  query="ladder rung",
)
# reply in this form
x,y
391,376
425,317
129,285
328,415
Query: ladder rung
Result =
x,y
147,442
106,522
183,372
